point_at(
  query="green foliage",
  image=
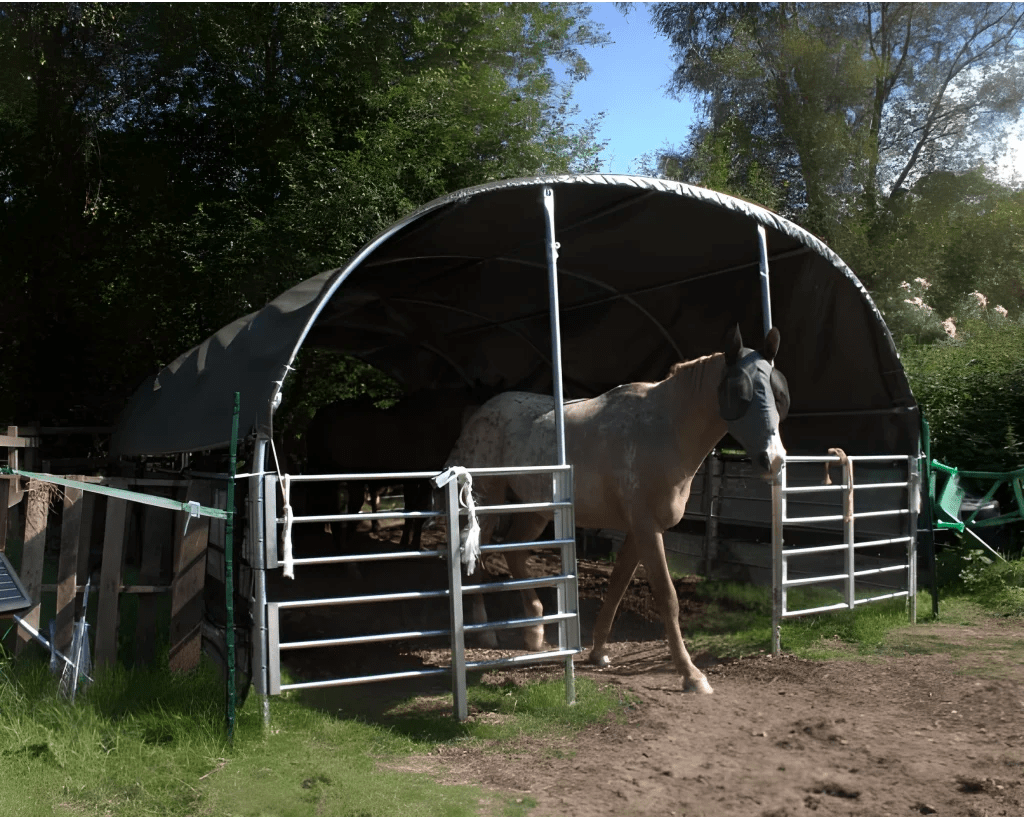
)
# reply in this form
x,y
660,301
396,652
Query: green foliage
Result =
x,y
971,390
847,103
167,168
996,585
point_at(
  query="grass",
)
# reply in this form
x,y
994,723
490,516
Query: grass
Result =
x,y
737,618
146,742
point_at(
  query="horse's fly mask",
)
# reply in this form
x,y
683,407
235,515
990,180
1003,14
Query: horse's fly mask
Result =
x,y
753,398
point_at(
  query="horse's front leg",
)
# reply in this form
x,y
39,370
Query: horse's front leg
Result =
x,y
622,572
651,550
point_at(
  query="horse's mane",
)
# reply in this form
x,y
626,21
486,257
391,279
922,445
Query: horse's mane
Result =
x,y
681,365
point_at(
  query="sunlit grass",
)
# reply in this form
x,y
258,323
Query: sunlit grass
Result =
x,y
146,743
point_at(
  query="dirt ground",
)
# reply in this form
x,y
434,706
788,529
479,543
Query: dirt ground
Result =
x,y
910,734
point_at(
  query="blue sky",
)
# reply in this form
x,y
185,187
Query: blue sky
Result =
x,y
627,81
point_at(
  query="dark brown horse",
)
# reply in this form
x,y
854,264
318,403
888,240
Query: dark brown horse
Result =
x,y
355,436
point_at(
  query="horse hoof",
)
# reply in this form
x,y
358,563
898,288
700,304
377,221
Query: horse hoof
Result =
x,y
600,660
698,686
487,639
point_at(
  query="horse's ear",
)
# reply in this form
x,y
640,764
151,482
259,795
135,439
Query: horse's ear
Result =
x,y
771,344
733,343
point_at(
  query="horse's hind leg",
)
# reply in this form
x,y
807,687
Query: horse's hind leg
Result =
x,y
622,572
664,591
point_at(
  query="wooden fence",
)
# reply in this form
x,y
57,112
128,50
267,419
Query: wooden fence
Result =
x,y
93,535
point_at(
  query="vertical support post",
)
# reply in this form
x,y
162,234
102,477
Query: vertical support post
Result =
x,y
458,631
766,296
229,573
714,469
848,535
548,200
568,592
778,570
914,505
257,542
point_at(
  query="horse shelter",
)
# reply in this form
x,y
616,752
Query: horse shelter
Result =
x,y
466,291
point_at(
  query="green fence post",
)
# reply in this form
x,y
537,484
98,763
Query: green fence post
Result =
x,y
229,572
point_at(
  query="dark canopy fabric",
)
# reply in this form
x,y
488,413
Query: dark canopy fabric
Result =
x,y
651,272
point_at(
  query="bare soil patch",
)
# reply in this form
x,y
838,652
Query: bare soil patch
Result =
x,y
912,734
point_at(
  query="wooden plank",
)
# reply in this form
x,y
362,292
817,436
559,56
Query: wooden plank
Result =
x,y
17,487
157,532
67,569
92,505
5,488
18,441
31,569
188,582
110,582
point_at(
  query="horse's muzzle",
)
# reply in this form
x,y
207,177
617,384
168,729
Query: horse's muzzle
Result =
x,y
771,460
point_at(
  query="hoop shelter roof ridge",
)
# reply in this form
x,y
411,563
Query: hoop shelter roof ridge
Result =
x,y
650,272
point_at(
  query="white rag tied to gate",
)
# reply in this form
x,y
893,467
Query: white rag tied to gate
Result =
x,y
469,537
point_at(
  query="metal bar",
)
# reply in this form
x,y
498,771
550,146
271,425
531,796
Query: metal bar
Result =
x,y
567,593
366,598
360,516
521,659
264,662
834,459
520,622
884,542
533,544
799,612
848,535
320,561
274,648
895,568
518,585
807,581
881,514
457,621
397,675
813,550
359,476
914,501
766,297
864,600
551,246
366,638
778,562
798,490
524,507
815,519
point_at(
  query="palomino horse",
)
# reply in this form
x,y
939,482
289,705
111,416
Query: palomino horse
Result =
x,y
634,452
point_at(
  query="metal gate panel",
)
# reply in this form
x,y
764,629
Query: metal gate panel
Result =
x,y
567,616
849,548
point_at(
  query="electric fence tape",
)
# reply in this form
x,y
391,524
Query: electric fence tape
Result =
x,y
193,508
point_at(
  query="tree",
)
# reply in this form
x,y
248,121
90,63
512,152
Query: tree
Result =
x,y
842,107
170,167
